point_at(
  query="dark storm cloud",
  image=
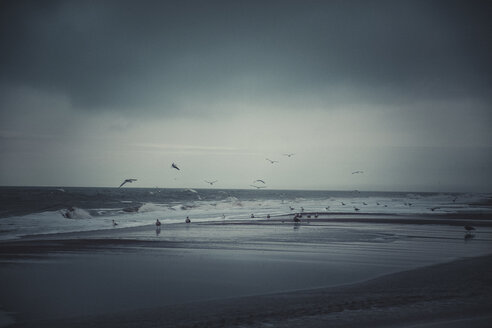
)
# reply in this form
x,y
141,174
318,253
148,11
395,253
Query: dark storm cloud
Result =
x,y
148,54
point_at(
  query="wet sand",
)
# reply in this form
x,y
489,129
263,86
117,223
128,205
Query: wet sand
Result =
x,y
253,274
453,294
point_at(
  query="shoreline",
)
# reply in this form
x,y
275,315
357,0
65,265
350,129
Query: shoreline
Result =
x,y
459,290
201,275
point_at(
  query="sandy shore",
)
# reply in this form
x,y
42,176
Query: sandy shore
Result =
x,y
201,276
454,294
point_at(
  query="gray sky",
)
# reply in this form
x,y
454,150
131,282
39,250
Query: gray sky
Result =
x,y
92,92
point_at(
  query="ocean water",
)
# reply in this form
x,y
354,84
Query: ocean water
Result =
x,y
28,211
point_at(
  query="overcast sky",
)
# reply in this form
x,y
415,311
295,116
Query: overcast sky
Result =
x,y
93,92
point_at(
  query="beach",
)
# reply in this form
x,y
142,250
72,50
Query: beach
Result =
x,y
252,273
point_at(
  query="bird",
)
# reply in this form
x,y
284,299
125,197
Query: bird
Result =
x,y
289,155
175,166
127,181
258,187
357,172
469,228
271,161
210,182
259,180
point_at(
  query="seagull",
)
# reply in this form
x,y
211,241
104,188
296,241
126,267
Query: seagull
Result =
x,y
258,187
259,180
175,166
289,155
127,180
271,162
210,182
357,172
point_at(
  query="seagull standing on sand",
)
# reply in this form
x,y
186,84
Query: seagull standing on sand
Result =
x,y
174,166
127,181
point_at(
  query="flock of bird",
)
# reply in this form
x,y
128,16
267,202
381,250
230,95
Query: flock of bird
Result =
x,y
255,182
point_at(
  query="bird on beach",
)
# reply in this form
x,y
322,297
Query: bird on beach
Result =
x,y
210,182
469,228
127,181
174,166
271,161
357,172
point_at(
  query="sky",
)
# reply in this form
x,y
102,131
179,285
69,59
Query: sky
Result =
x,y
95,92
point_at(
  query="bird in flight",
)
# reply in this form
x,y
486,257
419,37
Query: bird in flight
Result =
x,y
259,180
127,180
289,155
174,166
271,162
210,182
258,187
357,172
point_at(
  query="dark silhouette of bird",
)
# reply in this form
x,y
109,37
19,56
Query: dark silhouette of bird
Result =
x,y
174,166
271,161
127,181
469,228
210,182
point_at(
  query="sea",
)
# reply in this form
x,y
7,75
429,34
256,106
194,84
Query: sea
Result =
x,y
30,211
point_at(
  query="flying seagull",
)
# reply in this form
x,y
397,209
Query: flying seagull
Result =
x,y
127,180
357,172
210,182
259,180
258,187
289,155
271,162
175,166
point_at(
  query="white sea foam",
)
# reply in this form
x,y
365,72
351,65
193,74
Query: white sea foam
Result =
x,y
233,208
